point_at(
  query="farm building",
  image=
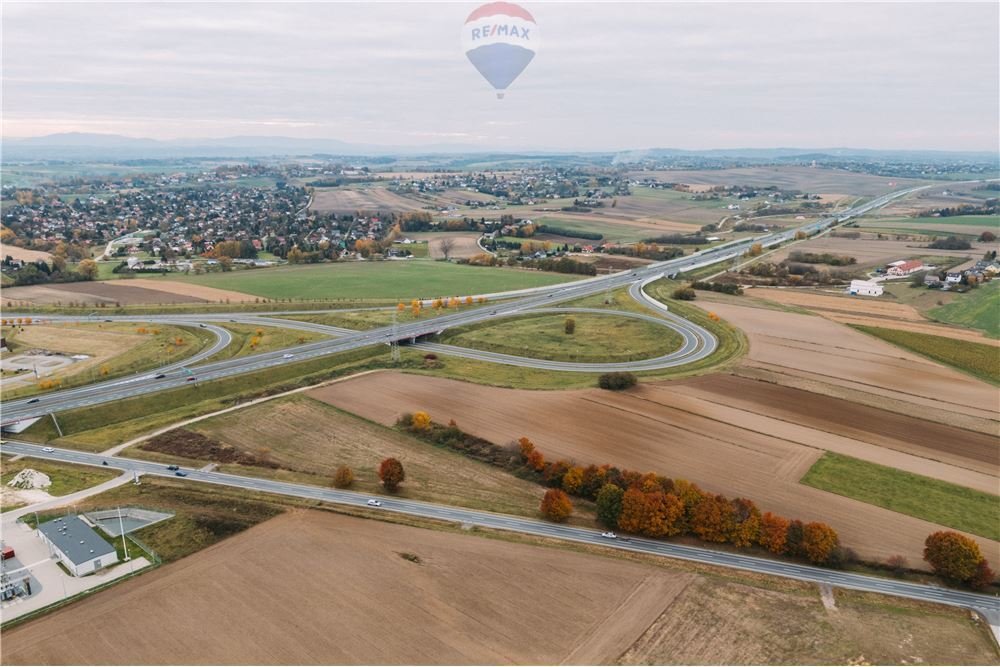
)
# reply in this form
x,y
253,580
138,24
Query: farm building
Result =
x,y
904,267
80,548
864,288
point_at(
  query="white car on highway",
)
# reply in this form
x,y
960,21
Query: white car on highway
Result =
x,y
48,449
375,503
609,535
287,356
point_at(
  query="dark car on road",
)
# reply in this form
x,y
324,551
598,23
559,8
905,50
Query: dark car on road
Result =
x,y
181,473
159,376
173,467
34,400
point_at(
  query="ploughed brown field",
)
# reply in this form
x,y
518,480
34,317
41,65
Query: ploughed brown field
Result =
x,y
758,447
136,291
836,306
318,588
464,244
805,348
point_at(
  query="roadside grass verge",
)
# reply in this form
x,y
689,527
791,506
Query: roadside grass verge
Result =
x,y
252,339
102,426
160,345
914,495
977,359
66,478
596,339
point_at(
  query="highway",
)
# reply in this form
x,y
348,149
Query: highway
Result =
x,y
527,300
987,605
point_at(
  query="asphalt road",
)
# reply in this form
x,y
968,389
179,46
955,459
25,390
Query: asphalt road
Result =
x,y
531,299
987,605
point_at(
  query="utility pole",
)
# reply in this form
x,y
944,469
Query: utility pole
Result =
x,y
121,526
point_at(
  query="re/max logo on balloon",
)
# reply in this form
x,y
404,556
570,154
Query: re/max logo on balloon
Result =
x,y
500,30
500,39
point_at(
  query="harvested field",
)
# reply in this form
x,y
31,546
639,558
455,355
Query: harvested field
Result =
x,y
189,290
838,302
24,254
350,200
817,349
806,179
464,244
730,450
309,438
317,588
728,623
124,292
870,253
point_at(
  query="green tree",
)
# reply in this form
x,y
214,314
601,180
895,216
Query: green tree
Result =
x,y
609,505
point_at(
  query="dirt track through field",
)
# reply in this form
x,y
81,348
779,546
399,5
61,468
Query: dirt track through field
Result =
x,y
465,245
738,452
319,588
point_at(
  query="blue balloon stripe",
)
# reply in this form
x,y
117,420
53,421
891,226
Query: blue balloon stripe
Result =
x,y
500,64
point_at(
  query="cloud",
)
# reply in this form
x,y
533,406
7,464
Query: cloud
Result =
x,y
893,75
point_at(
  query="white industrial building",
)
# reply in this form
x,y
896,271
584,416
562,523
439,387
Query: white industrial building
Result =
x,y
80,548
864,288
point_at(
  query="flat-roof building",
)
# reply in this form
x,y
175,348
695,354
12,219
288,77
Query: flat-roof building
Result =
x,y
80,548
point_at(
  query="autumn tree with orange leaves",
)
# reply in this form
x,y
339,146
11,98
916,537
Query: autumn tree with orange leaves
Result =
x,y
818,542
556,505
391,472
773,533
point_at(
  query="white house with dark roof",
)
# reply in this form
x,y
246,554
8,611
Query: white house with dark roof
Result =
x,y
80,548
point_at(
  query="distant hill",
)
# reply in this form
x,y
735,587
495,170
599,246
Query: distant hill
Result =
x,y
81,147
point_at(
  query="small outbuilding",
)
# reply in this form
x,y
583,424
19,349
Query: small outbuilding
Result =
x,y
80,548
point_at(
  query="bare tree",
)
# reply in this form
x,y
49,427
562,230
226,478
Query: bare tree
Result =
x,y
446,245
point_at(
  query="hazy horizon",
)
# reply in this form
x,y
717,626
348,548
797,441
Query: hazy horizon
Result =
x,y
900,76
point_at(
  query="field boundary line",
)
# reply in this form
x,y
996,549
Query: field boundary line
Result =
x,y
117,449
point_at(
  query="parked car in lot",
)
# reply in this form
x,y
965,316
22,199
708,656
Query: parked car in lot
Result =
x,y
375,503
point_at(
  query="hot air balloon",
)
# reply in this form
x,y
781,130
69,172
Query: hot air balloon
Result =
x,y
500,39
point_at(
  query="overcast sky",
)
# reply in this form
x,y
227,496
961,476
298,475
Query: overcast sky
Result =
x,y
607,76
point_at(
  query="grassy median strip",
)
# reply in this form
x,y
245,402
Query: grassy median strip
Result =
x,y
102,426
978,359
595,338
922,497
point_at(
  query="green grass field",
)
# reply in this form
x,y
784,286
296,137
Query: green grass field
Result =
x,y
978,359
391,280
597,338
914,495
978,309
622,233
